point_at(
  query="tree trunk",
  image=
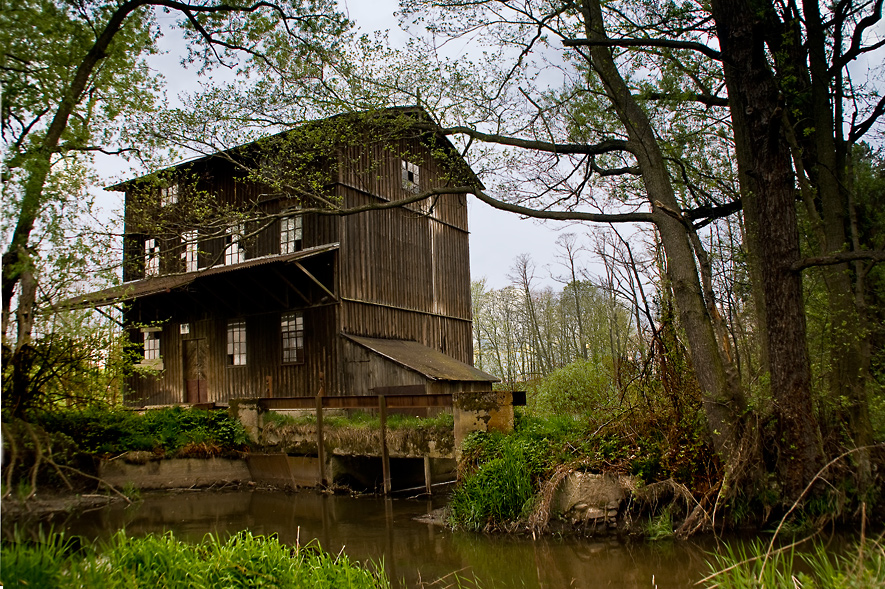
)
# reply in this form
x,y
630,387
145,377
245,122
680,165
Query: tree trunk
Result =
x,y
723,397
768,195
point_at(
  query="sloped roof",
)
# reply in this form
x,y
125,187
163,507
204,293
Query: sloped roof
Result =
x,y
149,286
418,112
431,363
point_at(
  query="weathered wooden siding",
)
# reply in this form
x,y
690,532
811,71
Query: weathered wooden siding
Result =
x,y
400,273
264,373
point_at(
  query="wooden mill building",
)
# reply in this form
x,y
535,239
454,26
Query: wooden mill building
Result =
x,y
243,280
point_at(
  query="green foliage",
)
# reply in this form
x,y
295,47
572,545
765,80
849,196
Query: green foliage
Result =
x,y
243,560
38,564
113,431
498,492
742,567
659,527
365,419
582,387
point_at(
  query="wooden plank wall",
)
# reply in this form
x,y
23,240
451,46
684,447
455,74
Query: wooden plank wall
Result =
x,y
405,274
263,360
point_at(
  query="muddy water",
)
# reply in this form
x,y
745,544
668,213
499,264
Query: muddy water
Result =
x,y
386,529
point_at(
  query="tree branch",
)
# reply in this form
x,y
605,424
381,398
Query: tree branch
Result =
x,y
626,42
707,99
876,256
608,146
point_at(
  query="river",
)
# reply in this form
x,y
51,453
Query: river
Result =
x,y
379,529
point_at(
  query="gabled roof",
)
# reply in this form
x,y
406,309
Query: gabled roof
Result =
x,y
420,115
150,286
431,363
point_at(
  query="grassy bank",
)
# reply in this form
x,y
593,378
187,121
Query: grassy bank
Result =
x,y
156,561
58,449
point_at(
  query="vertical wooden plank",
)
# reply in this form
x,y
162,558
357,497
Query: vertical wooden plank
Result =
x,y
427,475
321,450
385,457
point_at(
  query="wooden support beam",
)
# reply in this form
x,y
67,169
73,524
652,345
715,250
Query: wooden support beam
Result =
x,y
385,456
314,278
321,449
290,285
428,478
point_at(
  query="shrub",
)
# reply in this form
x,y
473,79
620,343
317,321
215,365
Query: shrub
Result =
x,y
113,431
582,387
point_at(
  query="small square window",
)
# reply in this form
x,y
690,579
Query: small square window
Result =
x,y
169,195
151,258
151,345
292,332
411,182
236,343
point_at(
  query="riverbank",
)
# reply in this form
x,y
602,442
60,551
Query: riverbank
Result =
x,y
417,553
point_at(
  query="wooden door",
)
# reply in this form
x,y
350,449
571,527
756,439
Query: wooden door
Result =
x,y
195,354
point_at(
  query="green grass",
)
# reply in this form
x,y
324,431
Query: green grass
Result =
x,y
753,567
364,419
160,561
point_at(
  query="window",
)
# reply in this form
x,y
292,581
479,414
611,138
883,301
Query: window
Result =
x,y
190,255
292,330
411,182
169,195
151,344
290,234
151,258
236,343
233,247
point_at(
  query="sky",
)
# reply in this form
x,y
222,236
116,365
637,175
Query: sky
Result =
x,y
496,237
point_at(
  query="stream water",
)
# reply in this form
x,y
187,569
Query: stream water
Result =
x,y
386,530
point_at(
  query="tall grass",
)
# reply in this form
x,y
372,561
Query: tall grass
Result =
x,y
862,567
365,419
159,561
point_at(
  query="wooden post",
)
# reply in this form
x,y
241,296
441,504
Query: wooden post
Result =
x,y
321,449
385,457
428,479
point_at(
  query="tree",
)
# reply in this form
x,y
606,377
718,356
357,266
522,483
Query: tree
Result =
x,y
66,96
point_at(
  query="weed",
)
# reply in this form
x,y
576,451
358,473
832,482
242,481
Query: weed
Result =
x,y
660,526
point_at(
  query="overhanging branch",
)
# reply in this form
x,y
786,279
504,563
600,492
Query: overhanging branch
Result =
x,y
875,256
627,42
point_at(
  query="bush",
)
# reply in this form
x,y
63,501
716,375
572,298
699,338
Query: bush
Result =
x,y
583,387
500,491
114,431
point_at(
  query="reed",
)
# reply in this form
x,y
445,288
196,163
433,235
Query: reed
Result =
x,y
758,566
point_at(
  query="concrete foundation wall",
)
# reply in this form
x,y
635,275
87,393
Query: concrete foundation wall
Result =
x,y
177,473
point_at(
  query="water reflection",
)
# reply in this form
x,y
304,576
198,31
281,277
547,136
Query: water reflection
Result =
x,y
385,529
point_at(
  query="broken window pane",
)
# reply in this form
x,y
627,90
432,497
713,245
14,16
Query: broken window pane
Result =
x,y
290,234
236,343
411,182
292,329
